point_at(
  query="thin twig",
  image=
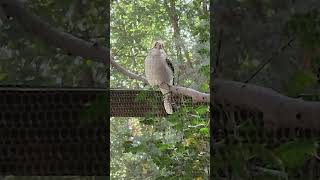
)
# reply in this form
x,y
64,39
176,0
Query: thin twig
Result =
x,y
272,172
288,44
215,69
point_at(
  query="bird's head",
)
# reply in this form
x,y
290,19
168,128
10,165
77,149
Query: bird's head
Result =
x,y
158,45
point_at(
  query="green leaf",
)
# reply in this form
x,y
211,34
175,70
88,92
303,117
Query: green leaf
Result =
x,y
141,96
204,131
294,154
3,76
135,149
63,4
163,147
89,62
201,110
204,87
95,111
300,81
205,70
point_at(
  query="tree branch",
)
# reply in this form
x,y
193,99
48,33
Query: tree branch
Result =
x,y
126,72
278,110
197,96
51,35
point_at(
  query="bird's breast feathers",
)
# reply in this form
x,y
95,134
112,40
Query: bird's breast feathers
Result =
x,y
156,69
157,52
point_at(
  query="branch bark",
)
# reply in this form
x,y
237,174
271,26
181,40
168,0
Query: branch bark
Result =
x,y
125,71
278,110
197,97
51,35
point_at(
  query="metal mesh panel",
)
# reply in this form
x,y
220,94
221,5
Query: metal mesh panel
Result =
x,y
238,132
45,132
134,103
140,103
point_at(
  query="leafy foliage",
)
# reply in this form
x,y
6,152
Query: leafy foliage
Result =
x,y
240,155
300,82
294,154
306,27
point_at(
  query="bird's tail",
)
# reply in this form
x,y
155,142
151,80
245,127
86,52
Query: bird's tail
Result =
x,y
167,101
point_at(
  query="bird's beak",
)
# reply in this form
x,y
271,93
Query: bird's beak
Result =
x,y
157,46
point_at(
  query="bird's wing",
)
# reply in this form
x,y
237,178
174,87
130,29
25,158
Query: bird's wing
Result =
x,y
170,65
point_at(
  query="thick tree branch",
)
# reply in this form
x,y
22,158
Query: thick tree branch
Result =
x,y
126,72
278,110
197,96
51,35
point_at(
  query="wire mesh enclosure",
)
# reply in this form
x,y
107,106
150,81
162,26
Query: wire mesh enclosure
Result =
x,y
140,103
50,131
244,147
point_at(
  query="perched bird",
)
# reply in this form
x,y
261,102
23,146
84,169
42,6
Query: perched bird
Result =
x,y
159,70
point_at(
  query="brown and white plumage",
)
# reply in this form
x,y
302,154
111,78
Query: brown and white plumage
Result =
x,y
159,70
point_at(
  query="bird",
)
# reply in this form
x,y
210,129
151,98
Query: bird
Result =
x,y
160,70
